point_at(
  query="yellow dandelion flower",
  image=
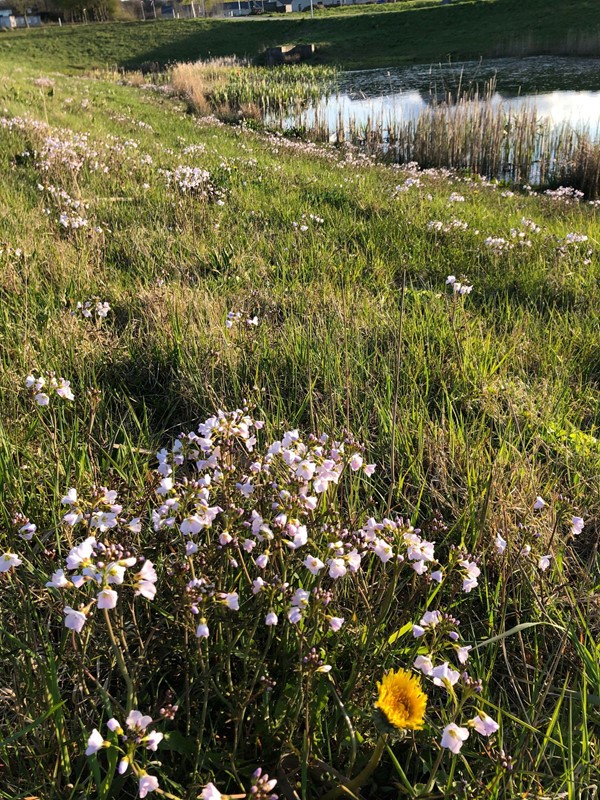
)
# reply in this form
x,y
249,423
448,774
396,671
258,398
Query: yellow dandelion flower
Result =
x,y
402,700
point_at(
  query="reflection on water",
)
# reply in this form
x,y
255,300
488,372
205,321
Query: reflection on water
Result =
x,y
561,89
513,76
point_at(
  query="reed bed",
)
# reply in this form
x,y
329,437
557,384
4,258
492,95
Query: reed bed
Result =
x,y
225,85
467,129
470,132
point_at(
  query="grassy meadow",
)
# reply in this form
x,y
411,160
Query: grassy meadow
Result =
x,y
181,609
413,31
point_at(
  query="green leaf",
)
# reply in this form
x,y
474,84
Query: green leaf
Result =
x,y
404,629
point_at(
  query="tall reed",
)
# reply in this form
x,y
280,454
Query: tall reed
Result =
x,y
231,85
471,130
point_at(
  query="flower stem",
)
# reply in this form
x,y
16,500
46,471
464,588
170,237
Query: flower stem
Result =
x,y
364,775
131,699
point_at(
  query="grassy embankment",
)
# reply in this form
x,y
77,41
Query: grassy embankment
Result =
x,y
471,405
353,38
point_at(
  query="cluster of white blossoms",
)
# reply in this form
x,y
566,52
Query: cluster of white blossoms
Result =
x,y
100,568
89,308
250,521
442,634
137,738
526,549
43,387
459,287
74,222
448,227
128,742
236,317
454,736
194,181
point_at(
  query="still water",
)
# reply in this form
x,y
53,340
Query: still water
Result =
x,y
563,90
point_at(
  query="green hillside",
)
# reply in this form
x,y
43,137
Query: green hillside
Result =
x,y
372,36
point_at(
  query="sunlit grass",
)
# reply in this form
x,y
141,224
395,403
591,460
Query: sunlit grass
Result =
x,y
471,406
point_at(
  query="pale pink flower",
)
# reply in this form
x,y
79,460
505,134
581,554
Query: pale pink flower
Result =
x,y
577,525
107,598
453,737
74,620
462,653
210,792
8,561
148,783
114,725
59,580
544,562
424,663
313,564
356,462
136,721
383,550
95,742
337,567
231,600
144,581
444,675
26,531
430,619
80,555
483,724
64,390
472,573
294,615
153,739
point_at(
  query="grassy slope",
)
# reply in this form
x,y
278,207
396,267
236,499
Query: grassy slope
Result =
x,y
419,32
506,388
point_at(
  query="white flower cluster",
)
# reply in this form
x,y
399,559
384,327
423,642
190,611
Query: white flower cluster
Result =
x,y
194,181
99,565
74,222
457,286
43,387
236,317
567,193
277,495
447,227
91,307
132,739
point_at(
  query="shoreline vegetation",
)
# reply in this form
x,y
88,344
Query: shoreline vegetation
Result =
x,y
461,130
363,37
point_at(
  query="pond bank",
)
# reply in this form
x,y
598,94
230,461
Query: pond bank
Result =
x,y
382,36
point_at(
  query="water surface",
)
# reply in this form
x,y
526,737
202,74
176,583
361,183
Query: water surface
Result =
x,y
563,90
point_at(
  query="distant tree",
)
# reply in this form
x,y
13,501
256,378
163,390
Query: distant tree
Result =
x,y
88,10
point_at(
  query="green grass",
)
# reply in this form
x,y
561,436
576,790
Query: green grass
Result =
x,y
364,37
471,406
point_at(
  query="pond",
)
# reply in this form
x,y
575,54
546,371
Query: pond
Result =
x,y
562,90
